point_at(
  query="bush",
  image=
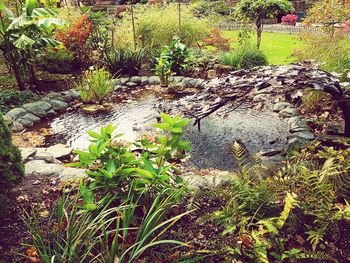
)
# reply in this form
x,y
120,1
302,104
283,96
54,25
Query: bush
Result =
x,y
217,40
145,171
11,98
177,54
205,8
244,58
124,61
95,85
59,61
289,20
157,25
75,37
332,52
11,166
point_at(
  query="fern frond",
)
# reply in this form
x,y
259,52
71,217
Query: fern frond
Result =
x,y
317,255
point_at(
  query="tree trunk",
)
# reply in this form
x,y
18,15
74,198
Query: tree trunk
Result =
x,y
18,77
345,107
259,28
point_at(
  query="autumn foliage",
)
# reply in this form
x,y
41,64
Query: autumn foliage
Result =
x,y
74,38
217,40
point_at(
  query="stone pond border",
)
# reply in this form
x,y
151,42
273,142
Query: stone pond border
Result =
x,y
29,114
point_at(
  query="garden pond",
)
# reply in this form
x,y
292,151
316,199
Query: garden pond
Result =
x,y
260,131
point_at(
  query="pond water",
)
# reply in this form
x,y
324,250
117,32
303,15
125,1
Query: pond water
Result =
x,y
260,131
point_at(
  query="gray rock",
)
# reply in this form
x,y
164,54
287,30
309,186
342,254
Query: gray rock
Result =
x,y
27,153
297,124
135,79
289,112
75,93
117,87
8,120
116,82
60,151
38,108
144,81
178,79
306,135
41,168
25,122
123,80
44,155
17,127
69,174
154,80
131,84
189,82
293,142
281,106
53,95
58,104
51,113
16,113
260,98
31,117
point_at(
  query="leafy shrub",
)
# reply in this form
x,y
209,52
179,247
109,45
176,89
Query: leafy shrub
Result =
x,y
205,8
125,61
147,170
57,61
157,25
289,20
11,166
217,40
332,52
177,54
202,59
75,37
244,58
95,85
12,98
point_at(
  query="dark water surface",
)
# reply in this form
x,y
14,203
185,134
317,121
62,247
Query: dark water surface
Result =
x,y
260,131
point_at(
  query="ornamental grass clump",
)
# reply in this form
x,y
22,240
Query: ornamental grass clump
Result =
x,y
95,85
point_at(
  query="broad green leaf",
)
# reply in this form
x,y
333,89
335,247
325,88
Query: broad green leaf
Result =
x,y
94,134
20,22
30,5
49,24
43,12
166,118
1,6
23,42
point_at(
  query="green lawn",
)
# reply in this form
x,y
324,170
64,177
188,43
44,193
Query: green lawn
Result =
x,y
277,47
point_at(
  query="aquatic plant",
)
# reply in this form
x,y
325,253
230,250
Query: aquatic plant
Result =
x,y
95,85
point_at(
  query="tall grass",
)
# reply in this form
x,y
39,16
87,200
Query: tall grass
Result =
x,y
245,57
103,235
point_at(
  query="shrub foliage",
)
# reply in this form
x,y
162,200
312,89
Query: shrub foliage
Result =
x,y
11,166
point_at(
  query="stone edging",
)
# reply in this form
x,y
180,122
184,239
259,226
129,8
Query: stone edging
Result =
x,y
298,129
155,80
29,114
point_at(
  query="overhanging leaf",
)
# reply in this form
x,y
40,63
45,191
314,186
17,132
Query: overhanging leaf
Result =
x,y
30,5
24,42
